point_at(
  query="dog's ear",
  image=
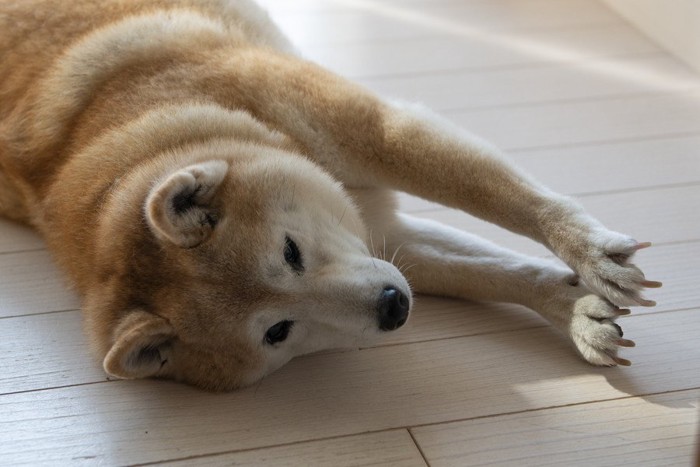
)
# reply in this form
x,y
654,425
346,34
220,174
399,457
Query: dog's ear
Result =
x,y
179,209
141,347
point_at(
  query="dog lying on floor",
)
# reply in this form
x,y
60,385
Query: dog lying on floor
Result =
x,y
214,198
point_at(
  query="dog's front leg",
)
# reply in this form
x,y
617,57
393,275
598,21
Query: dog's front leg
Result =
x,y
367,142
437,259
446,164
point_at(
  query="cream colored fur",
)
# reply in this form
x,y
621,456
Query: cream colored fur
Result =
x,y
222,205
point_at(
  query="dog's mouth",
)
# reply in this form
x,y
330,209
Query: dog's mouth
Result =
x,y
393,308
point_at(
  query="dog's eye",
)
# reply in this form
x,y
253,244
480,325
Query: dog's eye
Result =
x,y
278,332
292,255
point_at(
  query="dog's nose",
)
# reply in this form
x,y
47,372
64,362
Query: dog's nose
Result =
x,y
393,309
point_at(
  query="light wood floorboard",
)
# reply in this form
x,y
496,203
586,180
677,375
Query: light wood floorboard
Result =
x,y
642,431
30,283
575,96
388,448
339,23
16,237
480,49
482,89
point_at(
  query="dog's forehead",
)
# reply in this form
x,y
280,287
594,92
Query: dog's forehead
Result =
x,y
264,199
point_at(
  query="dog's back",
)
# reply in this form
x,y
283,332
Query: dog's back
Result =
x,y
53,59
33,33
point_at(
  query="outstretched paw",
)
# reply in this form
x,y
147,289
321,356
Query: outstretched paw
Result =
x,y
595,333
606,268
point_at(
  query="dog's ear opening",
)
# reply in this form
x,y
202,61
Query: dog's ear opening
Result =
x,y
141,347
179,209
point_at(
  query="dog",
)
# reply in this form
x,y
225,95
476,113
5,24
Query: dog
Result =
x,y
218,201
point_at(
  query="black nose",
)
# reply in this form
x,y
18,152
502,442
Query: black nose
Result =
x,y
393,309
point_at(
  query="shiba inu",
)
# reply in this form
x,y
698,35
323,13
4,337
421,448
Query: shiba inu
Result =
x,y
218,201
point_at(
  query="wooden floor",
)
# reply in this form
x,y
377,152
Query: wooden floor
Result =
x,y
579,99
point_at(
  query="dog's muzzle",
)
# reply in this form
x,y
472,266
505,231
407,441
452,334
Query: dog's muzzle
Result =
x,y
392,309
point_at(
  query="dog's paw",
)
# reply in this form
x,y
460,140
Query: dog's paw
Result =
x,y
604,265
599,256
594,332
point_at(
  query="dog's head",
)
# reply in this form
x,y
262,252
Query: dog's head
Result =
x,y
236,266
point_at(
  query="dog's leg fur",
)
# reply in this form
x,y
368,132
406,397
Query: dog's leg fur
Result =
x,y
440,260
366,142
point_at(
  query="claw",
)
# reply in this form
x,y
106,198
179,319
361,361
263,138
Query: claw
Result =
x,y
641,246
622,361
625,343
623,312
644,302
651,284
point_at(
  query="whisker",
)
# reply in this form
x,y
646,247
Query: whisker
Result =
x,y
406,269
393,257
374,252
342,216
399,263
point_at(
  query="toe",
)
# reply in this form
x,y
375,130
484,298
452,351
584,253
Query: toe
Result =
x,y
622,361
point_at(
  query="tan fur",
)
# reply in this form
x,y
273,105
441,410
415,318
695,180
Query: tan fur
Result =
x,y
166,149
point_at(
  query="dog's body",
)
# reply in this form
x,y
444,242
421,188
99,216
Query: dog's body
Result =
x,y
217,201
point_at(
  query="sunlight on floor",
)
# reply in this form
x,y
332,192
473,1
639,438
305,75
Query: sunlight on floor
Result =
x,y
546,51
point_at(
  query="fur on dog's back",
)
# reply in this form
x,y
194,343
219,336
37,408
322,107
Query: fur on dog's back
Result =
x,y
35,33
59,63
